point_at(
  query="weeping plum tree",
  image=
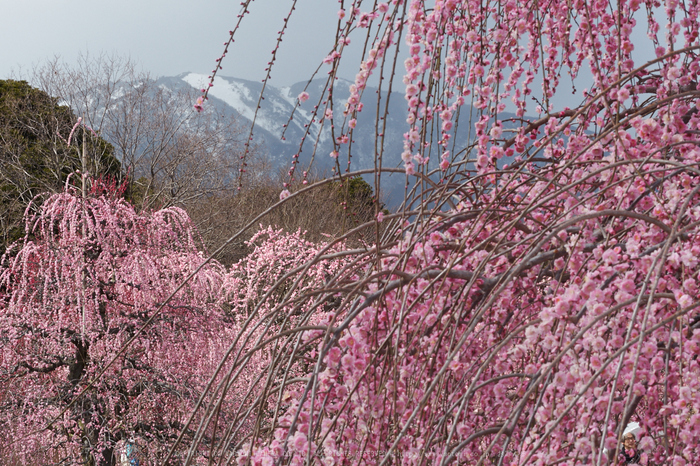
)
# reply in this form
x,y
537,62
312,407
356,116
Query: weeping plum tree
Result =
x,y
114,321
538,290
89,275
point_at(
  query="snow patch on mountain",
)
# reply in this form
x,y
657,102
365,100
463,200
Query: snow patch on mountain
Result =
x,y
231,92
275,109
286,93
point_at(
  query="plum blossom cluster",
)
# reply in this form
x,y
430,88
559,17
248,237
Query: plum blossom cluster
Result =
x,y
273,298
457,57
80,370
542,294
115,326
528,331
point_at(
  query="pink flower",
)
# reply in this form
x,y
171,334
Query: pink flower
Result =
x,y
284,194
331,58
623,94
410,168
380,216
334,355
77,123
199,105
412,136
347,361
673,73
299,442
341,14
496,152
303,97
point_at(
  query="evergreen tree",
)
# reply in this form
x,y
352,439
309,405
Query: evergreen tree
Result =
x,y
35,155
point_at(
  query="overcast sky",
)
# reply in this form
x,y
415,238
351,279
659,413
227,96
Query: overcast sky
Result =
x,y
168,37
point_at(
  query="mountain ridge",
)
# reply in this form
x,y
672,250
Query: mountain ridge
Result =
x,y
287,127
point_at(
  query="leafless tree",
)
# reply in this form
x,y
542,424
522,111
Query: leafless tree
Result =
x,y
174,155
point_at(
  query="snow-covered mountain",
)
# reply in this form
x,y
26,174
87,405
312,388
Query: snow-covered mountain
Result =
x,y
281,124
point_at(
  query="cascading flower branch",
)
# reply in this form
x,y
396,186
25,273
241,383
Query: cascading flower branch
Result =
x,y
273,301
538,293
514,332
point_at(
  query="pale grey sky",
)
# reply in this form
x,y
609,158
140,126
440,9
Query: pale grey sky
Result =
x,y
168,37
